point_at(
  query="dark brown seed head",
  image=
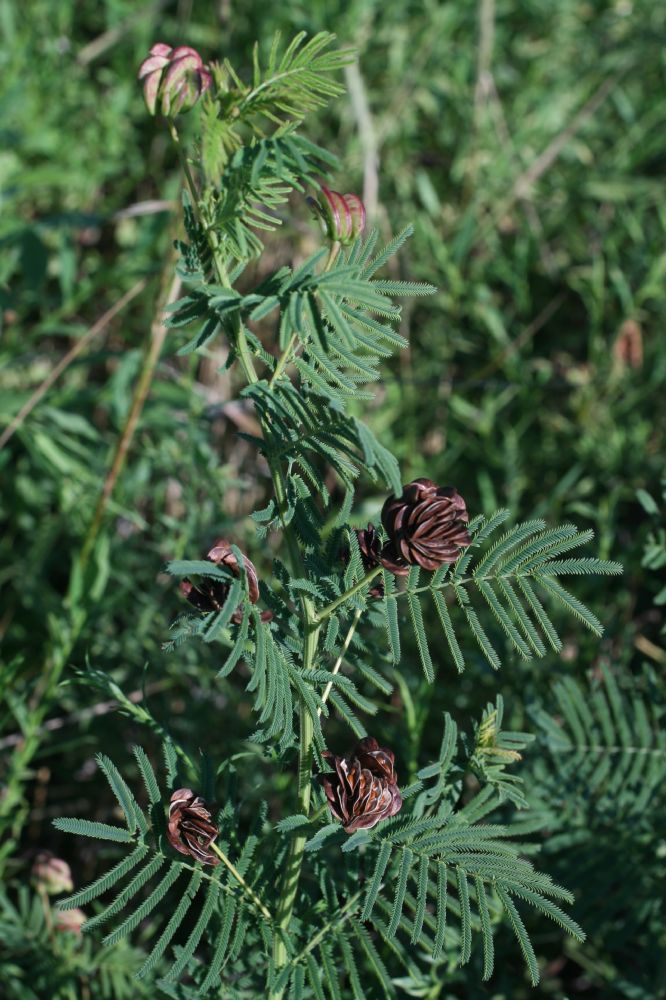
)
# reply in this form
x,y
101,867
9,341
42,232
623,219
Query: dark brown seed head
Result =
x,y
221,555
426,526
370,546
363,788
190,828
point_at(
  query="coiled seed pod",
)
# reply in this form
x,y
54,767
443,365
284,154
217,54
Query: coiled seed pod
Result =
x,y
362,789
426,526
190,829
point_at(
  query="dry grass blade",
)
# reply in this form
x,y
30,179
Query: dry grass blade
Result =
x,y
67,359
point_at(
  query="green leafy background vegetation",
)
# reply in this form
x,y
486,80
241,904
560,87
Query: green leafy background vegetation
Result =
x,y
527,145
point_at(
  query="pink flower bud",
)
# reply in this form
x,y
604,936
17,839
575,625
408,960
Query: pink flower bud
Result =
x,y
342,215
150,73
69,921
174,78
51,875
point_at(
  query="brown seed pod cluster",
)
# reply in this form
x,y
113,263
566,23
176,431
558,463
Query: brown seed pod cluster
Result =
x,y
426,527
210,594
362,789
190,829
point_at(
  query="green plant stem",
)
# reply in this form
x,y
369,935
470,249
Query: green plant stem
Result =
x,y
328,610
334,605
311,627
241,881
285,357
340,917
310,622
310,632
185,166
244,354
292,872
66,360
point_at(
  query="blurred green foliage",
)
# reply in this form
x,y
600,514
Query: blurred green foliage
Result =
x,y
527,143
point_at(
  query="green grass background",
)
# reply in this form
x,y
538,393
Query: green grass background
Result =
x,y
527,144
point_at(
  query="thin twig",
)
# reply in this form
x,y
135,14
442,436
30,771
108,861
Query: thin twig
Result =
x,y
157,334
182,156
487,95
484,77
320,616
241,881
152,206
285,357
338,662
339,918
544,161
649,648
367,137
101,708
522,188
524,336
67,359
59,650
93,50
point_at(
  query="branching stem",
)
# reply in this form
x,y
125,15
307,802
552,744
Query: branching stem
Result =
x,y
328,610
194,194
338,662
310,622
358,586
343,914
286,355
244,354
241,881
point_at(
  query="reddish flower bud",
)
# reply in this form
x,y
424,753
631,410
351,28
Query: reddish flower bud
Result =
x,y
69,921
427,527
628,346
50,874
190,828
342,215
210,594
363,788
176,78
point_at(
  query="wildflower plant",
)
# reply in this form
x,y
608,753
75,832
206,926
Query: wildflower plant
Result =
x,y
366,886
